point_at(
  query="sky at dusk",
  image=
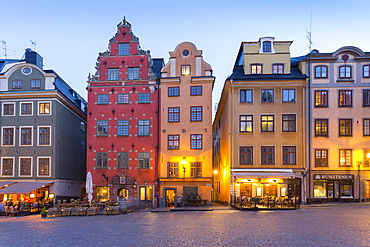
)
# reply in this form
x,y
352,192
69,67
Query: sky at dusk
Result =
x,y
69,34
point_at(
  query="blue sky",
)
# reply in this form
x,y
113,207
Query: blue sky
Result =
x,y
70,34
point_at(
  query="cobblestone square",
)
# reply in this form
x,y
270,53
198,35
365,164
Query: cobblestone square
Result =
x,y
308,226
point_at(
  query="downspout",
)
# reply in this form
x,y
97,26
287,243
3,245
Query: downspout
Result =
x,y
309,119
232,140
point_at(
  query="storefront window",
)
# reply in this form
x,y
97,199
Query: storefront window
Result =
x,y
319,188
346,189
102,193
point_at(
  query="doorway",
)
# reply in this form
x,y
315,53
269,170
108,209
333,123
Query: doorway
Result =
x,y
333,191
170,197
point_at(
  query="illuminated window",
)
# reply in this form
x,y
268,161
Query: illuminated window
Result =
x,y
44,108
173,142
102,193
321,71
319,189
278,68
321,98
267,123
289,122
321,127
195,169
245,155
246,123
345,98
256,68
267,155
345,127
345,157
321,157
289,155
185,70
173,169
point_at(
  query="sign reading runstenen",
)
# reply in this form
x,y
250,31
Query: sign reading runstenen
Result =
x,y
333,176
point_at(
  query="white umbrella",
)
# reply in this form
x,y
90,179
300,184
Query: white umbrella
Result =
x,y
89,187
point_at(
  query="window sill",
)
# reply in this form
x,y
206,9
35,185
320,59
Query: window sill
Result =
x,y
345,80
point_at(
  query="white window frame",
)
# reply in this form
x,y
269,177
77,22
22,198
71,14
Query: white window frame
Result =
x,y
19,165
2,108
38,135
20,108
1,171
38,165
2,135
20,135
38,108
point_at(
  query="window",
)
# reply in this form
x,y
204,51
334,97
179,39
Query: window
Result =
x,y
7,168
345,157
289,122
256,68
173,142
195,169
185,70
345,127
288,95
267,95
196,90
266,46
17,84
26,108
35,83
196,113
8,136
366,127
278,68
101,160
143,159
173,91
345,71
44,167
144,128
246,96
173,114
124,49
103,99
26,136
122,160
321,127
25,167
134,73
321,71
122,127
366,98
321,98
366,71
245,155
113,74
321,157
102,128
144,98
289,155
196,141
83,126
267,123
246,123
123,98
366,157
173,169
44,135
8,109
345,98
44,108
267,155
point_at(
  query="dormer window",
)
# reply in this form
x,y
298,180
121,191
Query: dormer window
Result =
x,y
278,68
256,68
266,46
345,71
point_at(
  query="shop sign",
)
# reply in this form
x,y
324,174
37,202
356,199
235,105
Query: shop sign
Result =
x,y
333,177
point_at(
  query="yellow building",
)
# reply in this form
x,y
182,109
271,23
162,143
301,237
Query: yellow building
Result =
x,y
185,152
259,127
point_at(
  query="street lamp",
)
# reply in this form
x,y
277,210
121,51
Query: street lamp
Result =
x,y
183,163
359,163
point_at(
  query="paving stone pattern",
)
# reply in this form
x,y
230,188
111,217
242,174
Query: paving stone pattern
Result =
x,y
314,226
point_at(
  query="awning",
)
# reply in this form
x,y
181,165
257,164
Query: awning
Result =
x,y
2,184
264,175
22,187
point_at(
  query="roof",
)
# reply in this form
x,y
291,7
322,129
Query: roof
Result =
x,y
158,64
4,62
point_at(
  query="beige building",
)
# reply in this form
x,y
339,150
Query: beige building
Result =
x,y
185,152
339,167
259,127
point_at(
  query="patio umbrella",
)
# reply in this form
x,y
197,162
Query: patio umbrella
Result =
x,y
89,187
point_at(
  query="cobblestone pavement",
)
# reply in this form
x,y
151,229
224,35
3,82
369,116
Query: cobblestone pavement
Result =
x,y
311,226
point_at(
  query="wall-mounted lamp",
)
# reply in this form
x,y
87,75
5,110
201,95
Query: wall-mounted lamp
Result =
x,y
32,195
51,196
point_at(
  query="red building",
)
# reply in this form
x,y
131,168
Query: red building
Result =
x,y
122,133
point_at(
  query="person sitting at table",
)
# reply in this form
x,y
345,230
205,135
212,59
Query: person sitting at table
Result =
x,y
2,208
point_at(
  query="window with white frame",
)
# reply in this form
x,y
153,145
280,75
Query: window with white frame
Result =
x,y
25,136
7,166
44,135
8,109
44,108
25,166
26,108
43,167
8,136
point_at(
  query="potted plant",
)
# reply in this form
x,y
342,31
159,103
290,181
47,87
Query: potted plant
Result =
x,y
43,212
123,209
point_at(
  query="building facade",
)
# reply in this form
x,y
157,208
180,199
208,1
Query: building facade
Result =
x,y
339,113
259,127
185,156
122,136
43,138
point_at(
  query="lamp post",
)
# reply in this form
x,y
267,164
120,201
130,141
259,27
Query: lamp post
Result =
x,y
183,163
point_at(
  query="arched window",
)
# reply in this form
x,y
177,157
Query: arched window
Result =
x,y
123,193
266,46
321,71
345,71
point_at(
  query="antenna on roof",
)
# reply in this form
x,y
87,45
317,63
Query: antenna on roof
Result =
x,y
33,43
309,35
5,49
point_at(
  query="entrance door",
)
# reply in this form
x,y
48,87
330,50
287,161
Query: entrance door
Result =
x,y
368,189
333,191
170,197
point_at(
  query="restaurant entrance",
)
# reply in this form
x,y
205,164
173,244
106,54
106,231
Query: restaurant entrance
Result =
x,y
170,197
